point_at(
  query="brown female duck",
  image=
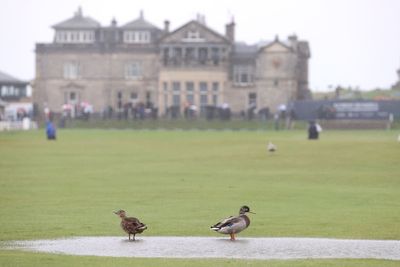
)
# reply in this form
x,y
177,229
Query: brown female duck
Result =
x,y
130,225
234,224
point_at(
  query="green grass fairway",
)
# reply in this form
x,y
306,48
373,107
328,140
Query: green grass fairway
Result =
x,y
345,185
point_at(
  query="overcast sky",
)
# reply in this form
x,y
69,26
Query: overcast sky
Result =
x,y
353,42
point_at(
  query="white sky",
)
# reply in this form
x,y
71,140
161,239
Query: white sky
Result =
x,y
353,42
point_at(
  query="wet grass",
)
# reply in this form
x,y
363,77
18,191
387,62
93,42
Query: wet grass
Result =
x,y
180,182
17,258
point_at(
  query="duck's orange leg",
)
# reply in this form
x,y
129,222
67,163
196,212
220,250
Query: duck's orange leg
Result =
x,y
232,237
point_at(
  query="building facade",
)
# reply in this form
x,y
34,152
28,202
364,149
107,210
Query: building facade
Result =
x,y
15,102
115,66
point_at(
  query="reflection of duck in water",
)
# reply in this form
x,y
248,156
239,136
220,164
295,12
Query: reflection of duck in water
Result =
x,y
130,225
234,224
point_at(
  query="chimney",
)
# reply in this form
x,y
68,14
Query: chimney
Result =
x,y
230,31
113,22
78,13
293,41
292,38
166,26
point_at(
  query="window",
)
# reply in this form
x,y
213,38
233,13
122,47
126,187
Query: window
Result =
x,y
193,36
203,55
215,88
149,104
243,75
119,99
139,37
71,70
177,55
9,90
203,88
190,87
176,98
203,96
176,87
71,97
134,96
203,102
133,70
189,92
215,100
215,55
189,54
252,100
165,89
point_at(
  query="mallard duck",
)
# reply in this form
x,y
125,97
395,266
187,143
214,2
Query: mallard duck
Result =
x,y
234,224
271,147
130,225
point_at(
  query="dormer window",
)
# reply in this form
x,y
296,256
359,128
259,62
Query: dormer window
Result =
x,y
74,37
139,37
193,36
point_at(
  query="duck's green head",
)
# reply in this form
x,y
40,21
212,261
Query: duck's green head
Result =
x,y
244,210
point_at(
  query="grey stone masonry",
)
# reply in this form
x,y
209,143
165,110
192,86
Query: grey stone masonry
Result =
x,y
114,66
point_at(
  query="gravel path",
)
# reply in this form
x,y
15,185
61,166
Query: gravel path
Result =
x,y
210,247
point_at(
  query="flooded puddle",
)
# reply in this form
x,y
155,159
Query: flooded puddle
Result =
x,y
209,247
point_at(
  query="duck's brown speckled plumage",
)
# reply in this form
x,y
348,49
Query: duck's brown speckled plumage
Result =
x,y
131,225
233,224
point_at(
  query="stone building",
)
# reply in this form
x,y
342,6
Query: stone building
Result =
x,y
12,89
114,66
15,102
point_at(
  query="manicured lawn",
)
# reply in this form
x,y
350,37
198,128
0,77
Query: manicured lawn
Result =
x,y
345,185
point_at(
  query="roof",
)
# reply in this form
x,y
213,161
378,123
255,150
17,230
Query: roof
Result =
x,y
243,48
78,21
244,53
202,25
140,24
264,44
4,77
